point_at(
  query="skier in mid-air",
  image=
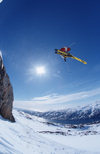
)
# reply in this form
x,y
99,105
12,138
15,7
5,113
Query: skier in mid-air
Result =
x,y
64,52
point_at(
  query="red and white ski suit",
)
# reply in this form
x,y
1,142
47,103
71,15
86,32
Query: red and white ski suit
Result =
x,y
65,49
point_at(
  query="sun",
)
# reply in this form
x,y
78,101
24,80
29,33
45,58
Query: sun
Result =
x,y
40,70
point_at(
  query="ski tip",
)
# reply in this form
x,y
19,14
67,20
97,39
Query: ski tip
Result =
x,y
84,62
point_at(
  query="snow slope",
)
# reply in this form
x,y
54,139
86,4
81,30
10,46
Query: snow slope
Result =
x,y
33,135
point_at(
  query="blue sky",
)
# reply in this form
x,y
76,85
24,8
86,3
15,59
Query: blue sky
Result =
x,y
30,30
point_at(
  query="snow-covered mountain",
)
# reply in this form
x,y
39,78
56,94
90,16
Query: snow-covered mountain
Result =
x,y
36,136
38,133
79,115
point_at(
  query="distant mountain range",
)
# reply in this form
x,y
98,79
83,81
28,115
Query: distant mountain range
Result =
x,y
79,115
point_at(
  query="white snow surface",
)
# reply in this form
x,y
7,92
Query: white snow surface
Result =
x,y
31,135
1,54
1,1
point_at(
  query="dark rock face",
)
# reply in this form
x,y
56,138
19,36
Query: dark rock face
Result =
x,y
6,94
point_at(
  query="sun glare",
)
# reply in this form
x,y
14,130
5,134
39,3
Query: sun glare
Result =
x,y
40,70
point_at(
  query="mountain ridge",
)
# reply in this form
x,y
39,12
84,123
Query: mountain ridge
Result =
x,y
82,115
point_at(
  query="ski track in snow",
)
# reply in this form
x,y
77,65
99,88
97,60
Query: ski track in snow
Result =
x,y
23,137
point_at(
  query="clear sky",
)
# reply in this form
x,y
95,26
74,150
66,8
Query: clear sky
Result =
x,y
30,30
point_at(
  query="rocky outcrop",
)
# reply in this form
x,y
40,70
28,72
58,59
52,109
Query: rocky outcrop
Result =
x,y
6,94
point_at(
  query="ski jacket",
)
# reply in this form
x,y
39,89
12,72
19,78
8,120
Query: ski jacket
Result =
x,y
65,49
